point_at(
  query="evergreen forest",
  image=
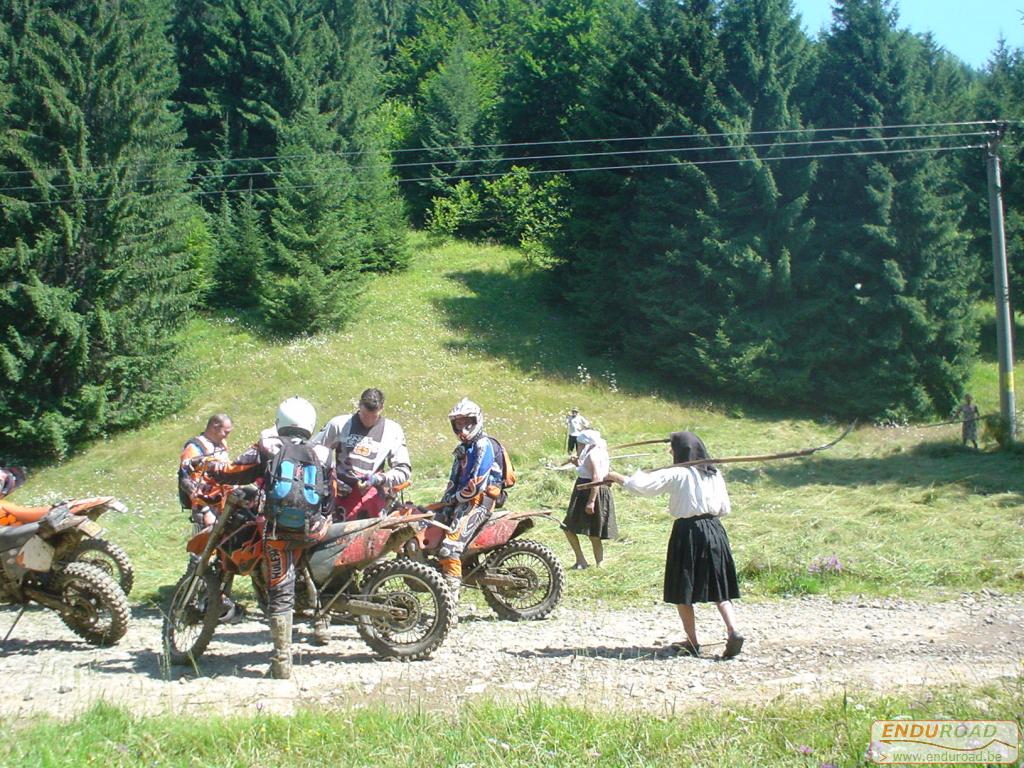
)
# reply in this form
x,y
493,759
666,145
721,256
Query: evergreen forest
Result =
x,y
717,196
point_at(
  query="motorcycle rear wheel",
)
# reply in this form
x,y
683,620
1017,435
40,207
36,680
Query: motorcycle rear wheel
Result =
x,y
189,627
538,566
97,610
429,606
108,557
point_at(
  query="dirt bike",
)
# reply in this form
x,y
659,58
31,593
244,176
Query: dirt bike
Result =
x,y
402,610
520,579
41,557
88,546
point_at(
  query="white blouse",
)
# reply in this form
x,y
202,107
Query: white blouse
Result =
x,y
691,493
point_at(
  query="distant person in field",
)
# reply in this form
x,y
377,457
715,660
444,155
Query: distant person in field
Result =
x,y
970,415
591,510
363,443
698,567
575,423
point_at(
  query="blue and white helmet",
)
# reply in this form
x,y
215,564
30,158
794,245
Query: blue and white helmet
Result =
x,y
470,410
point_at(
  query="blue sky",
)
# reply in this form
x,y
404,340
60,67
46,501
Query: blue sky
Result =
x,y
965,28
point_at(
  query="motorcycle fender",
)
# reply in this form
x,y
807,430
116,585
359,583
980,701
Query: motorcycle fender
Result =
x,y
494,534
35,555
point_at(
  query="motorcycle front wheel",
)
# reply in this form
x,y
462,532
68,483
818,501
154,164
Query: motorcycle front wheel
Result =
x,y
423,610
95,607
189,624
541,580
108,557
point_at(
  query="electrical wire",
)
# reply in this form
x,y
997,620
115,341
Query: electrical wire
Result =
x,y
349,153
577,155
533,172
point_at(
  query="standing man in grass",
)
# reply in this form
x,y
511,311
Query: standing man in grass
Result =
x,y
970,414
575,423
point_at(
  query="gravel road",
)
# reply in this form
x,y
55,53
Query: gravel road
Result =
x,y
600,659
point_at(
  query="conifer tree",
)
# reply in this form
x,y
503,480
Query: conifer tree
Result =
x,y
883,282
91,243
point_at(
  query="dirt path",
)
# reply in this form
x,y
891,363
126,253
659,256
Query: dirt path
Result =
x,y
597,659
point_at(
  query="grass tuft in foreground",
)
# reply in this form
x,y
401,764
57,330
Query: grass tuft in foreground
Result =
x,y
834,732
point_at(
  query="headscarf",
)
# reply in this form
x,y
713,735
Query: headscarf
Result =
x,y
686,446
592,442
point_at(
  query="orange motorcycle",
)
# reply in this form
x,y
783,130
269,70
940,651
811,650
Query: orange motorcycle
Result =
x,y
402,609
53,556
88,545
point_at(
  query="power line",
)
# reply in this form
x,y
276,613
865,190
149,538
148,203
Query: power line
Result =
x,y
533,172
349,153
577,155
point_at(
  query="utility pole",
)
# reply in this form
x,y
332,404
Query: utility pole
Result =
x,y
1004,318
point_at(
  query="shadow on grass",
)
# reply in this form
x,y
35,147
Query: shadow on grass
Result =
x,y
516,317
987,346
925,465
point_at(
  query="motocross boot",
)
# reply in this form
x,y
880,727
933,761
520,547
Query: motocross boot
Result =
x,y
455,588
281,635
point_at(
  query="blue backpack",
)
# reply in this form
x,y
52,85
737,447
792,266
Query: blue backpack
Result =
x,y
297,491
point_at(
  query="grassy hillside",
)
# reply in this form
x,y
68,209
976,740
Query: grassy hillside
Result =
x,y
903,510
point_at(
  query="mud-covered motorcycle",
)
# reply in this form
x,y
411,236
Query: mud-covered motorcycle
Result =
x,y
520,579
51,556
402,609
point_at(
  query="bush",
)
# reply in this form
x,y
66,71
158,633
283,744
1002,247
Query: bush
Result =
x,y
458,213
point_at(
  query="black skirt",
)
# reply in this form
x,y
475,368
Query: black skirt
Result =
x,y
699,566
600,524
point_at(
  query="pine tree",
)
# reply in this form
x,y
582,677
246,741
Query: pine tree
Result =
x,y
882,285
546,75
91,245
458,106
354,75
646,245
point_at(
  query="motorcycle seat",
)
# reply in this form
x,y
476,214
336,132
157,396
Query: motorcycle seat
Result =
x,y
15,514
12,537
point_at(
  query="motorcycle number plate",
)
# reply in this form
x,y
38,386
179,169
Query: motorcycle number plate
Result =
x,y
35,555
91,528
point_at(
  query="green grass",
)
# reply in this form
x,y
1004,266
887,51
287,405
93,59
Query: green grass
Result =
x,y
906,511
834,731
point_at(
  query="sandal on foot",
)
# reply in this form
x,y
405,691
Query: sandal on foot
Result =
x,y
686,648
733,646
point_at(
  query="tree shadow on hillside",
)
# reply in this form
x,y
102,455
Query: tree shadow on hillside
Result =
x,y
926,465
988,348
517,317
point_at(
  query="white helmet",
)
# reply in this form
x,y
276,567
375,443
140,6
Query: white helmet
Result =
x,y
296,417
466,407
